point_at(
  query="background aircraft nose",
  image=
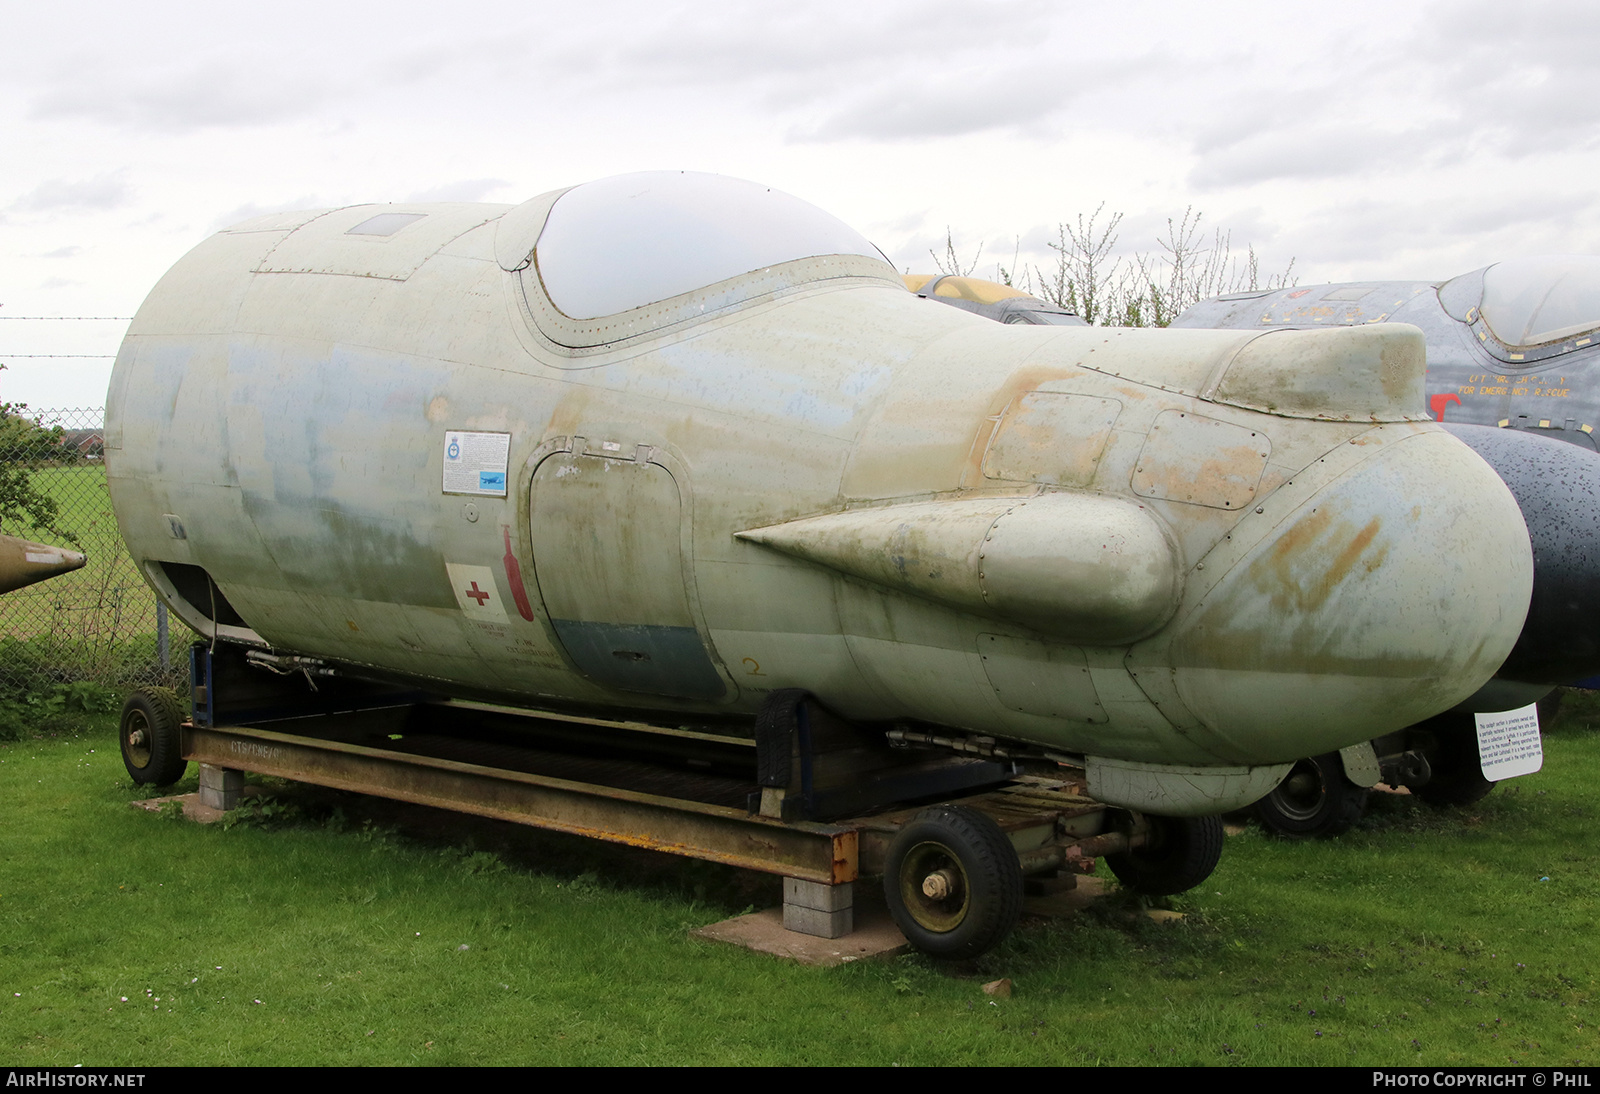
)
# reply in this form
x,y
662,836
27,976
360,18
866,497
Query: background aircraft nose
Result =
x,y
1557,486
23,562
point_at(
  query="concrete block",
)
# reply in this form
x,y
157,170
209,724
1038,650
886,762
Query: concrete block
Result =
x,y
772,802
823,911
817,895
220,787
818,924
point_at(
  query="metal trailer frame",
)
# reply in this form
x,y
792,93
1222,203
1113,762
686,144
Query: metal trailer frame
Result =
x,y
310,724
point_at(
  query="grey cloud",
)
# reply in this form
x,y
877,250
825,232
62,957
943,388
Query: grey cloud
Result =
x,y
903,224
1381,236
1499,212
62,252
889,116
1249,226
853,42
424,64
251,210
216,93
1238,119
100,192
1536,108
1521,75
507,55
1514,33
908,70
915,253
1322,153
460,190
1370,230
954,104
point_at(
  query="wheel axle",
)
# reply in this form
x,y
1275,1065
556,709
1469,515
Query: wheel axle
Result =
x,y
940,885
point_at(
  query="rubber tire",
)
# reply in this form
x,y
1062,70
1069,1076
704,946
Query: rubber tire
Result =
x,y
1457,771
777,724
156,759
1314,800
990,901
1179,854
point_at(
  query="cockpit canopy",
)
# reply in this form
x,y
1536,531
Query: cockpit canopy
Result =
x,y
1002,303
637,256
1529,302
627,242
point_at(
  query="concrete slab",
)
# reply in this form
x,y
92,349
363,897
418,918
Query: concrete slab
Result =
x,y
875,936
193,808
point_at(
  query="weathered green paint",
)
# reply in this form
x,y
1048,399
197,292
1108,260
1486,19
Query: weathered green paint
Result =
x,y
1264,550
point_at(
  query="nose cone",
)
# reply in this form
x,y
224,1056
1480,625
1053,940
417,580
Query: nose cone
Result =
x,y
1369,593
1557,486
23,562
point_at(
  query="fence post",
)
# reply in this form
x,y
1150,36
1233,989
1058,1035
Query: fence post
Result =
x,y
161,637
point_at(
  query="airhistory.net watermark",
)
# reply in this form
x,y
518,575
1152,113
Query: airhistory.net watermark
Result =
x,y
50,1078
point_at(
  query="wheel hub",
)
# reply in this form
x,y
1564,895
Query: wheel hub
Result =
x,y
136,734
934,887
939,885
1300,795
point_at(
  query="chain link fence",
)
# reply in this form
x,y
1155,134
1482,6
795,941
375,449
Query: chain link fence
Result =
x,y
99,625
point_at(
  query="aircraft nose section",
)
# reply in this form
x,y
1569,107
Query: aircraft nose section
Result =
x,y
1557,486
1372,591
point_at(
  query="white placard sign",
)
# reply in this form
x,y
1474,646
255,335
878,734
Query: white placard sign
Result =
x,y
475,463
1509,744
477,592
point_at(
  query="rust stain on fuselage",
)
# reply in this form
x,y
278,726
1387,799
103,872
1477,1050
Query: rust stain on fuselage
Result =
x,y
1225,479
1299,574
1348,557
1230,472
1025,379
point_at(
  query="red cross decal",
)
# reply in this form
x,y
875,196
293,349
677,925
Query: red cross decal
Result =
x,y
477,594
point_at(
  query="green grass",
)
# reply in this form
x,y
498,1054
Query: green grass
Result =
x,y
317,934
82,500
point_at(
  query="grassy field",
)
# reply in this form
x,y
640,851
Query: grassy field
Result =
x,y
96,624
85,510
324,934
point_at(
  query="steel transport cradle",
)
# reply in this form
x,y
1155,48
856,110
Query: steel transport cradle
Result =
x,y
809,798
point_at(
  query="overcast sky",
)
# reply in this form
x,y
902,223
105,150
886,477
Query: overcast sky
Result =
x,y
1361,139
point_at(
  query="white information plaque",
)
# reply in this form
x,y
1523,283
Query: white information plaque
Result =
x,y
1509,744
475,463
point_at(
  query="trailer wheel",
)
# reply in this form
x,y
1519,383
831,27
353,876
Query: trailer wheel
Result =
x,y
1178,854
953,882
1315,800
152,743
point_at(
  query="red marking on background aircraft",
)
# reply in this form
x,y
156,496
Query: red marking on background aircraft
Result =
x,y
1437,403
